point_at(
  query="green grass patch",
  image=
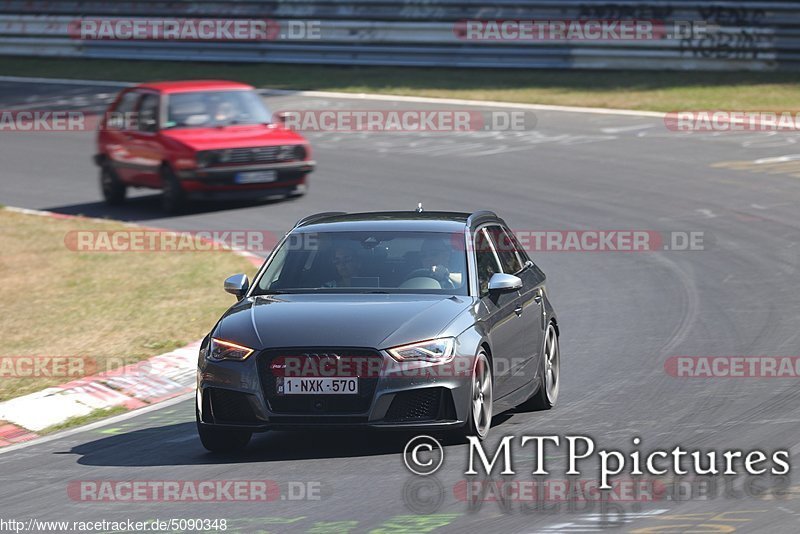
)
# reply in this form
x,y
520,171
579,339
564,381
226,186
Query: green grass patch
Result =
x,y
101,308
641,90
94,415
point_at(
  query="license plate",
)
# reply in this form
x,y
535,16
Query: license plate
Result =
x,y
256,177
317,386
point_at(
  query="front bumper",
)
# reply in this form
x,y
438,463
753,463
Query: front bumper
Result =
x,y
243,395
223,179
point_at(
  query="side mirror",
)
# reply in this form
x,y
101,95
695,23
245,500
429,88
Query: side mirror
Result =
x,y
504,282
237,285
279,117
150,125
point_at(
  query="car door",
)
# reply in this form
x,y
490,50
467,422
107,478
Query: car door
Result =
x,y
144,144
528,344
117,138
500,321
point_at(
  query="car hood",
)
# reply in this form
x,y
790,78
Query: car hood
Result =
x,y
336,320
237,136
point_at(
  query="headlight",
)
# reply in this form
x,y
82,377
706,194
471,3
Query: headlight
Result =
x,y
225,350
285,152
434,351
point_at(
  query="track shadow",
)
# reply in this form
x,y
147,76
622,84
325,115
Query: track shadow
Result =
x,y
178,444
523,410
148,207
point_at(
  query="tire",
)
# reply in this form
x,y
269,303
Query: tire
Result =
x,y
546,394
222,439
479,420
173,197
113,189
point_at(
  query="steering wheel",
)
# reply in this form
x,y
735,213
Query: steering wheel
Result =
x,y
443,276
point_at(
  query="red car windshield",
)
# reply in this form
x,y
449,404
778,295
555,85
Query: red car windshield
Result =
x,y
209,109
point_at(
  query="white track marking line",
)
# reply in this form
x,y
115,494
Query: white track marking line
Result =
x,y
99,424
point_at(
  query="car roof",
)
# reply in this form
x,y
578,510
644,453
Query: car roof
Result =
x,y
189,86
425,221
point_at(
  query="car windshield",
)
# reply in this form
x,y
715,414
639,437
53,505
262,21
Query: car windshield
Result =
x,y
368,262
215,108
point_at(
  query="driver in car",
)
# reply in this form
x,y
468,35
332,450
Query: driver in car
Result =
x,y
226,110
435,257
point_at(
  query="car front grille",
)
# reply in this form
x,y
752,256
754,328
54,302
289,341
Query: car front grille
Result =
x,y
317,404
259,154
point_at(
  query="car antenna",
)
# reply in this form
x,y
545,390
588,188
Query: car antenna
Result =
x,y
419,207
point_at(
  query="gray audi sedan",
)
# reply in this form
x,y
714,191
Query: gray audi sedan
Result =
x,y
403,320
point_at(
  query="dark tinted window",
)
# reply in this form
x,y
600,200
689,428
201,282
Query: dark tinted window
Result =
x,y
148,113
128,102
486,261
124,115
523,256
506,248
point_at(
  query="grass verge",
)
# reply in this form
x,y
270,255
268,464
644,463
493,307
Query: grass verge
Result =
x,y
102,308
649,90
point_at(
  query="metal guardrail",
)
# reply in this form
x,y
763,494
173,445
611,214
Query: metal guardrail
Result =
x,y
747,35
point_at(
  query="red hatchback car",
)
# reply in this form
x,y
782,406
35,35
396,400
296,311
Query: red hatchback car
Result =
x,y
198,139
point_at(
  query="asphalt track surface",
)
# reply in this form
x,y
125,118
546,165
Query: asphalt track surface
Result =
x,y
622,315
